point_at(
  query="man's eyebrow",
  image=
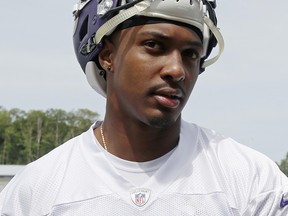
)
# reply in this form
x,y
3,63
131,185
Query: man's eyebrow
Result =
x,y
156,34
162,36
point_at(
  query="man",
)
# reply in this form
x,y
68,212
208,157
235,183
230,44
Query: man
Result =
x,y
143,159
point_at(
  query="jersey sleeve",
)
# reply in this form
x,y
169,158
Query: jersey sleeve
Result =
x,y
259,184
34,190
251,180
263,188
273,202
16,197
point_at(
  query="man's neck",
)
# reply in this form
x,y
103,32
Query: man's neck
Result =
x,y
135,141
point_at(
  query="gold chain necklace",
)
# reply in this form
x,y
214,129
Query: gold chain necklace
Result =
x,y
102,136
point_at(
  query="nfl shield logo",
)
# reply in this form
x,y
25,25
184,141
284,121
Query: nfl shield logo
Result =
x,y
140,196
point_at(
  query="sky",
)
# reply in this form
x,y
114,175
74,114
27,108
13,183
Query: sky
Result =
x,y
243,95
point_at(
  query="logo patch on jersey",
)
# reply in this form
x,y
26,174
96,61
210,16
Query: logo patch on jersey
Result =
x,y
140,196
284,200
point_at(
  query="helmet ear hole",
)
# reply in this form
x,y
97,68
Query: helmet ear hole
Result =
x,y
84,28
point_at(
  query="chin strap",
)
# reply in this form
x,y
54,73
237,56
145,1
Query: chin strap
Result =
x,y
111,24
220,42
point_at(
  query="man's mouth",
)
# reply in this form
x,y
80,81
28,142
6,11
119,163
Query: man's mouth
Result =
x,y
169,97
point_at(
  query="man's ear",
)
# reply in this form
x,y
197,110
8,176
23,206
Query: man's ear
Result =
x,y
105,56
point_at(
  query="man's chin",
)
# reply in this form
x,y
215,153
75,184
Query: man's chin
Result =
x,y
159,122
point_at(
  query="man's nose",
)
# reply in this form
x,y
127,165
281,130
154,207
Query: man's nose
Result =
x,y
173,68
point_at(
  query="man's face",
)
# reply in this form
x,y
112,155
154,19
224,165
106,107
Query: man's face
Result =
x,y
154,69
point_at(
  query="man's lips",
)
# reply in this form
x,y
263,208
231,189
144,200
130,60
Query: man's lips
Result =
x,y
169,97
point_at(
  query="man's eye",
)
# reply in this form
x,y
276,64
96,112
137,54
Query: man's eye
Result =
x,y
191,53
152,44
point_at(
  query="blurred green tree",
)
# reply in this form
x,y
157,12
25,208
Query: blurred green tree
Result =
x,y
26,136
284,165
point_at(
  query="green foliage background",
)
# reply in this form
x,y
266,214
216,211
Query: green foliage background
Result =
x,y
26,136
284,165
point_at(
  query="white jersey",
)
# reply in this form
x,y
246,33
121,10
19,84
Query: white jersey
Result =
x,y
206,174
